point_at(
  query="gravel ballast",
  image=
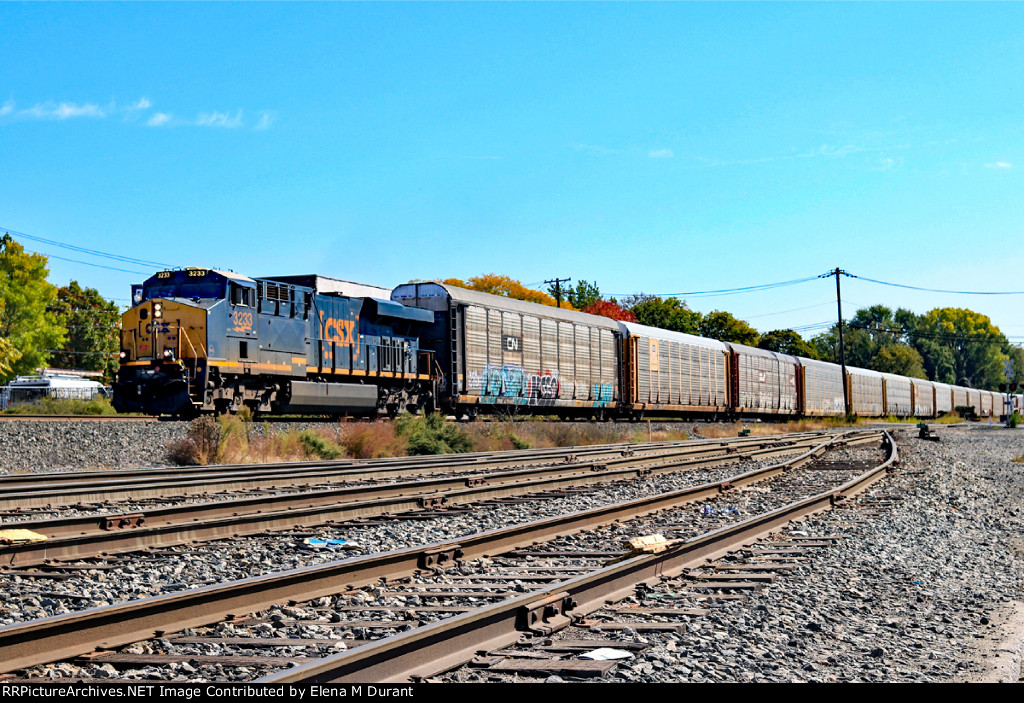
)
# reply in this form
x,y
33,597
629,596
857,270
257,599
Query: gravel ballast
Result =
x,y
927,584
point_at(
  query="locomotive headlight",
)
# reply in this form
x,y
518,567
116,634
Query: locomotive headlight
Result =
x,y
158,310
168,353
123,355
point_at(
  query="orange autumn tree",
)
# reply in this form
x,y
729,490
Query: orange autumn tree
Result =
x,y
506,286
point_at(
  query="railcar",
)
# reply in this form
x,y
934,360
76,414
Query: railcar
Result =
x,y
673,372
866,391
821,388
763,382
502,354
898,394
207,340
943,398
922,397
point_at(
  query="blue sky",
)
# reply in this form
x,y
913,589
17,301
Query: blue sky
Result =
x,y
660,148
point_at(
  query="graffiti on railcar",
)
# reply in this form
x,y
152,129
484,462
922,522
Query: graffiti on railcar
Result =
x,y
603,392
512,381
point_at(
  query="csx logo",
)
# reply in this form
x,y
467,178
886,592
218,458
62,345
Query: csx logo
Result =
x,y
338,331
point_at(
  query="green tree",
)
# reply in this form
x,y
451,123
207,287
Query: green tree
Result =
x,y
724,327
665,313
582,296
8,355
92,325
974,343
900,359
787,342
27,321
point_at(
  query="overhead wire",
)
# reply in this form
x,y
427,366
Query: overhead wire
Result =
x,y
85,250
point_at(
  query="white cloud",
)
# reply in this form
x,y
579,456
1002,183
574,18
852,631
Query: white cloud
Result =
x,y
266,119
158,119
661,154
62,111
142,104
220,119
7,109
999,164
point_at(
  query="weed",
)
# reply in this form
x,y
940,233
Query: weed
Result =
x,y
63,406
432,435
319,447
199,446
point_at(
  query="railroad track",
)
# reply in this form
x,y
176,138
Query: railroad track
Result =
x,y
88,535
77,418
22,492
534,590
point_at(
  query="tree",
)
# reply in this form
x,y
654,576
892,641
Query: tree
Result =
x,y
611,309
787,342
582,296
27,322
92,330
8,355
726,328
974,343
665,313
506,286
900,359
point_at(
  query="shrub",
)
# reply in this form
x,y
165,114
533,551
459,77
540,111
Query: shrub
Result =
x,y
200,444
318,446
432,435
1014,419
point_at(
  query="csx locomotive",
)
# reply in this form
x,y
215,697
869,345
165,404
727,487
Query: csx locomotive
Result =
x,y
201,340
204,340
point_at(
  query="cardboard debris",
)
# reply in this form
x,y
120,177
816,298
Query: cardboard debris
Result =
x,y
20,536
647,544
650,544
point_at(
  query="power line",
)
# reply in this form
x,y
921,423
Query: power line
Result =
x,y
92,252
937,290
725,291
76,261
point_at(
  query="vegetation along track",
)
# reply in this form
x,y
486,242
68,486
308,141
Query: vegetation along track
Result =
x,y
89,534
532,590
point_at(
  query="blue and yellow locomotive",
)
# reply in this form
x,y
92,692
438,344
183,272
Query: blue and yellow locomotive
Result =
x,y
202,340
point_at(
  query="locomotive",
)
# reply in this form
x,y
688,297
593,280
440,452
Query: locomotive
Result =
x,y
202,340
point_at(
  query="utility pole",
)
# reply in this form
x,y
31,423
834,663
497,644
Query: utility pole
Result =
x,y
558,288
842,347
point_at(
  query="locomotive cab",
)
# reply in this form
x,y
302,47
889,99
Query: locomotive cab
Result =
x,y
164,341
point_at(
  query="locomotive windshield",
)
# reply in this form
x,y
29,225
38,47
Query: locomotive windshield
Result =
x,y
190,283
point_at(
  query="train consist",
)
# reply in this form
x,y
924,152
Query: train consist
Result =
x,y
201,340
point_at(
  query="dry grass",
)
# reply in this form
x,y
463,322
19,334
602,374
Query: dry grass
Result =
x,y
233,439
